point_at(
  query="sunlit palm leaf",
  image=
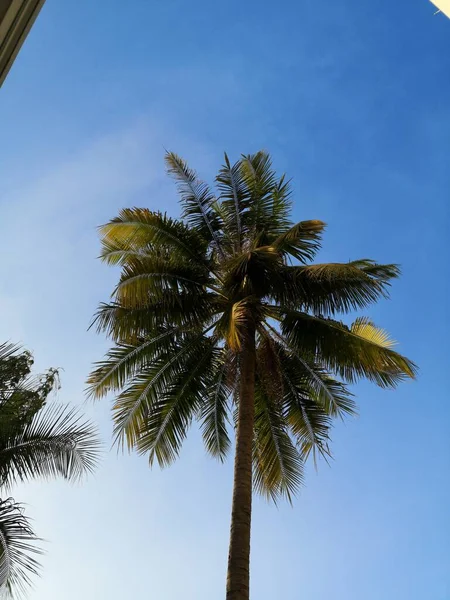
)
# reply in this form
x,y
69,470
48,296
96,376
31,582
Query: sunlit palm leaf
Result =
x,y
140,231
348,353
144,280
269,199
232,326
364,328
302,241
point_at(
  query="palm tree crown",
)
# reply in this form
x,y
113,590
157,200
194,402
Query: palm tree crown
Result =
x,y
188,292
224,305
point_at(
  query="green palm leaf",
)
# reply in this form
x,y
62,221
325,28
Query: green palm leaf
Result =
x,y
308,418
278,466
352,352
234,199
213,412
17,550
331,395
333,288
139,401
301,241
57,442
170,416
269,200
183,310
196,199
139,232
124,361
144,280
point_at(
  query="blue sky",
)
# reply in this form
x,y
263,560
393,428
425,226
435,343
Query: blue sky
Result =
x,y
353,101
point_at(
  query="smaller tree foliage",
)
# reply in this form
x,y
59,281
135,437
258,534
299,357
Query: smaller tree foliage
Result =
x,y
36,441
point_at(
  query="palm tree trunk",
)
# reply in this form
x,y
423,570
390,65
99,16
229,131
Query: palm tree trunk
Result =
x,y
238,578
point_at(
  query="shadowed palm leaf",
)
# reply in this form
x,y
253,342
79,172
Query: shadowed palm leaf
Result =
x,y
56,443
17,550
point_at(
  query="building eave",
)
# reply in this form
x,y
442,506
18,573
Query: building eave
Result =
x,y
443,6
16,19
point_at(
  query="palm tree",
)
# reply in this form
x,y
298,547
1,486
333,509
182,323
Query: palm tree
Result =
x,y
222,306
35,442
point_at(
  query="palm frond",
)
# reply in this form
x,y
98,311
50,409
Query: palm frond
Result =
x,y
269,199
306,415
343,350
124,361
17,550
364,328
308,397
301,241
141,232
332,288
281,207
123,325
171,309
196,198
138,400
252,273
234,199
170,416
57,442
142,281
213,413
331,395
277,464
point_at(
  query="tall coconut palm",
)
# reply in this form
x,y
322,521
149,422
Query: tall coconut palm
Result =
x,y
35,442
223,309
